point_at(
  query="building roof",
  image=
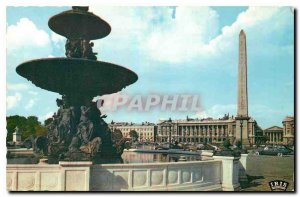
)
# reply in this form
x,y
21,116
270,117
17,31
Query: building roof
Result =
x,y
132,124
274,128
288,119
203,121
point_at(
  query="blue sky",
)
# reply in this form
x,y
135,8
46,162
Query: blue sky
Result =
x,y
178,50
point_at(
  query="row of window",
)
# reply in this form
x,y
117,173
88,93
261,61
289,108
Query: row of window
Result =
x,y
196,140
195,133
141,134
136,129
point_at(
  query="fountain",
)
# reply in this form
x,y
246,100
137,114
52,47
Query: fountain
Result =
x,y
80,152
78,131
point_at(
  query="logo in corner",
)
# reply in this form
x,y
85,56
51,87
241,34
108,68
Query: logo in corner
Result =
x,y
278,185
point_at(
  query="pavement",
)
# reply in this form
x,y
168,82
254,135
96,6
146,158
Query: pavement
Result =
x,y
262,169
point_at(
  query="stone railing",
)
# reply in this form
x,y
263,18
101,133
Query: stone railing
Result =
x,y
67,176
218,174
179,176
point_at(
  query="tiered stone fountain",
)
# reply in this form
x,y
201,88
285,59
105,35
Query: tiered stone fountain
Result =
x,y
79,141
78,130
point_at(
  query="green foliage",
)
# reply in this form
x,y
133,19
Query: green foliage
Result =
x,y
134,135
48,121
226,143
27,126
259,140
238,144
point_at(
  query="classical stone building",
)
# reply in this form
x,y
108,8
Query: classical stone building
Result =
x,y
281,135
204,130
274,135
146,131
288,130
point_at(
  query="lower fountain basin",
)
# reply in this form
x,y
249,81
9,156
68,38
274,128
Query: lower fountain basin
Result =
x,y
76,75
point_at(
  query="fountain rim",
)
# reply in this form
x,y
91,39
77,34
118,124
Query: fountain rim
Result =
x,y
53,27
74,59
102,64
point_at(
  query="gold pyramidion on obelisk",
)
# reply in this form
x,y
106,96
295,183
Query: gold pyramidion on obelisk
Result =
x,y
242,77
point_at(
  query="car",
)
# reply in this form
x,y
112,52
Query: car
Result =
x,y
199,146
164,146
190,147
275,150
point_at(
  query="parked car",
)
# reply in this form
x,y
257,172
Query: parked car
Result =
x,y
190,147
200,146
278,150
164,146
209,147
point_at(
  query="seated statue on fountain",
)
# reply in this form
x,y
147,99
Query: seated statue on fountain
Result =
x,y
80,133
80,48
86,139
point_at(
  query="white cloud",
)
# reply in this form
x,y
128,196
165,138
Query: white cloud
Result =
x,y
30,103
12,101
46,116
218,111
180,39
129,25
25,41
25,34
192,35
33,93
156,33
56,38
16,86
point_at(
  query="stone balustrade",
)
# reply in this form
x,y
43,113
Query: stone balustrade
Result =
x,y
211,175
179,176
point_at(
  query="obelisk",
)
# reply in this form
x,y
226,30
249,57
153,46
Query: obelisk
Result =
x,y
242,109
242,77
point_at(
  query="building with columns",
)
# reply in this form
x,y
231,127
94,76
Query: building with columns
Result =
x,y
274,135
204,130
281,135
288,130
146,131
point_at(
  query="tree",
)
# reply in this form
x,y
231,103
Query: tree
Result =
x,y
238,144
259,140
28,126
226,144
48,121
134,135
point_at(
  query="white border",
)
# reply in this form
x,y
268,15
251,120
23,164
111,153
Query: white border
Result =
x,y
5,3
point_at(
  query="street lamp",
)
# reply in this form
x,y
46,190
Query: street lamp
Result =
x,y
241,119
241,133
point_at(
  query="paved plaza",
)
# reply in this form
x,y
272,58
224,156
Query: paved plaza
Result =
x,y
262,169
